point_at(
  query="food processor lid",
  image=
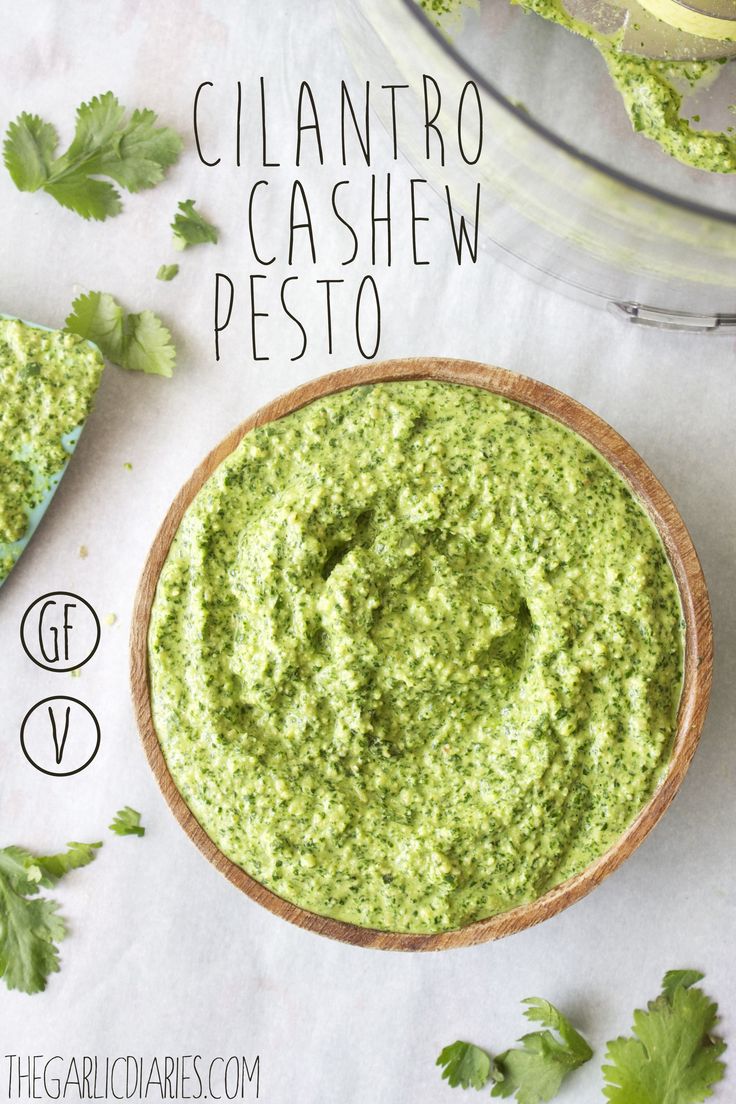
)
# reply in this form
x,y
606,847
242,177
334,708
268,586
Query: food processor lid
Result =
x,y
674,30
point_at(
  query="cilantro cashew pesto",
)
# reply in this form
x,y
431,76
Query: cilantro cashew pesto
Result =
x,y
415,655
47,382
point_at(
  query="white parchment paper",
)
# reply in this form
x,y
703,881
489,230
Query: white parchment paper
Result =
x,y
164,956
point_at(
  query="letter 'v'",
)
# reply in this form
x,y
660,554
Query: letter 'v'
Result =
x,y
59,747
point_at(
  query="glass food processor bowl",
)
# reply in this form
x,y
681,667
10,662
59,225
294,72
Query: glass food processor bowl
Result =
x,y
571,194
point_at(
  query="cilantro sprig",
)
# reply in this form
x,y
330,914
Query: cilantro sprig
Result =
x,y
139,342
535,1071
130,150
191,228
672,1057
30,926
127,822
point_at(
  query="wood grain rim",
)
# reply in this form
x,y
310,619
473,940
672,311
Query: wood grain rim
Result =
x,y
693,595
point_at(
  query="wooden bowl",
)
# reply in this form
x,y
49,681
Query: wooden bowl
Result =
x,y
697,661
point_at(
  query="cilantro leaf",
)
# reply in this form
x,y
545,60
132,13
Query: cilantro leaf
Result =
x,y
28,151
536,1071
134,153
190,228
92,199
167,272
99,318
127,822
148,346
18,870
541,1011
672,1057
30,927
139,342
465,1064
53,867
673,979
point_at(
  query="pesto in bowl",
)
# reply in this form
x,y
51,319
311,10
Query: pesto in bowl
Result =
x,y
415,655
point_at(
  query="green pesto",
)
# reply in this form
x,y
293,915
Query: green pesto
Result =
x,y
652,96
652,90
47,382
415,655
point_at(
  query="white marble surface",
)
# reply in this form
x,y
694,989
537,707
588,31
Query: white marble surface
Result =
x,y
165,957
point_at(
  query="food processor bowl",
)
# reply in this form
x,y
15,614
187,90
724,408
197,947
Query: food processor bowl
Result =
x,y
570,194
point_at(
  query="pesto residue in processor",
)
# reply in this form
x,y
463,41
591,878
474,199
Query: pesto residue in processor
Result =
x,y
47,382
415,655
652,90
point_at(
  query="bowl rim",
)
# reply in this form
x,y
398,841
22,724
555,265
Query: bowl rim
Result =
x,y
697,665
652,191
